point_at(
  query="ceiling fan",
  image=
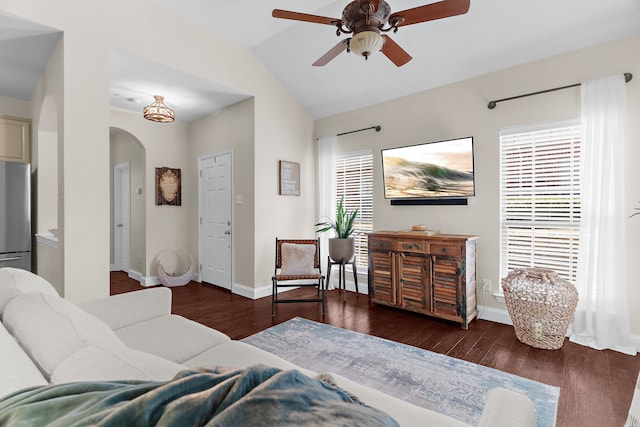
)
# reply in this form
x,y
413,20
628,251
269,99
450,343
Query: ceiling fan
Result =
x,y
367,19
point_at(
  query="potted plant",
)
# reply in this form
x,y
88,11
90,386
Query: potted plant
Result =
x,y
341,247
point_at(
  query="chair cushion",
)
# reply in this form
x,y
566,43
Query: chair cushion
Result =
x,y
50,328
297,259
108,363
15,282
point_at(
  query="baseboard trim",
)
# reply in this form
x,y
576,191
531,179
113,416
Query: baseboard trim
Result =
x,y
144,280
261,292
363,286
494,314
502,316
484,312
251,293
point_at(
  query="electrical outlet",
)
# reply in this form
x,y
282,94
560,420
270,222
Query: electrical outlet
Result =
x,y
486,285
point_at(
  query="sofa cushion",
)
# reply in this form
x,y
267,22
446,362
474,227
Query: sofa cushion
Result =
x,y
50,328
108,363
171,337
15,282
237,354
121,310
405,413
17,371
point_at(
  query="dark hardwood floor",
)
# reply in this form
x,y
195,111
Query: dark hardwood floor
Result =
x,y
595,386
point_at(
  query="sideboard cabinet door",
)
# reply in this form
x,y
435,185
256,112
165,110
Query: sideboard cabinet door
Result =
x,y
414,282
382,287
446,287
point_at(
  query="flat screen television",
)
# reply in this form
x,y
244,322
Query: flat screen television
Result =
x,y
429,171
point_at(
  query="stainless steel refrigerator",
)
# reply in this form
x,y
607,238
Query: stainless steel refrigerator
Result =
x,y
15,215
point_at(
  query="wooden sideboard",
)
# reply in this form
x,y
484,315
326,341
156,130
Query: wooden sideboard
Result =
x,y
432,275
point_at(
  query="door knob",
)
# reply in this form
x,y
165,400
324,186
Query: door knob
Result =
x,y
227,232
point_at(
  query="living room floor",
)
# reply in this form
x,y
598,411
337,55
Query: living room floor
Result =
x,y
595,386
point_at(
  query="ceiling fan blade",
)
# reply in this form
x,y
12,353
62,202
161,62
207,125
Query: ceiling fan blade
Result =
x,y
335,51
297,16
394,52
430,12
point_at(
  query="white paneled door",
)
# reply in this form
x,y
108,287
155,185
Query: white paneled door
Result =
x,y
121,217
216,219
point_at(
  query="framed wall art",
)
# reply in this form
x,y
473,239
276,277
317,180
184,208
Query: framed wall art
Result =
x,y
168,186
288,178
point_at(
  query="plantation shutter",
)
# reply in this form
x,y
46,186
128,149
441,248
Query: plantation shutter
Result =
x,y
540,198
354,181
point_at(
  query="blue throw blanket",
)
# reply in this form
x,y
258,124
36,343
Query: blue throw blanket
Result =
x,y
256,396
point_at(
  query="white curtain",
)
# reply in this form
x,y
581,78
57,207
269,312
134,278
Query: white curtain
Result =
x,y
326,190
602,319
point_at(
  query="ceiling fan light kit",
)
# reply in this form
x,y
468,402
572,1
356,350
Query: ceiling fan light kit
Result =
x,y
367,19
366,43
158,111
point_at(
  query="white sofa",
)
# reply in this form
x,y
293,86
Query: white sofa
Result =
x,y
45,339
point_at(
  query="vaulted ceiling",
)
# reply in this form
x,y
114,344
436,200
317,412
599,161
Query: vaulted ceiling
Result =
x,y
493,35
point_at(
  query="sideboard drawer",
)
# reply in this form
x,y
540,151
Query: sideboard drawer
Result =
x,y
381,245
451,250
412,246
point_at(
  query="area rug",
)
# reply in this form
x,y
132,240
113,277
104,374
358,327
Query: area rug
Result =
x,y
441,383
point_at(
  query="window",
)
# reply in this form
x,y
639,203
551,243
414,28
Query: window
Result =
x,y
354,180
540,198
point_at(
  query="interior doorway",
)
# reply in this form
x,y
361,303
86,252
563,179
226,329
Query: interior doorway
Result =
x,y
216,219
126,149
121,217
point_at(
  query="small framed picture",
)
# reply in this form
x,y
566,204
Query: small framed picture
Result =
x,y
288,178
168,186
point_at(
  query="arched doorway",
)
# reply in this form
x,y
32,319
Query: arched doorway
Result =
x,y
47,208
128,207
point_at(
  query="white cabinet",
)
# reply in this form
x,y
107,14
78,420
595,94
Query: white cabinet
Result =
x,y
15,139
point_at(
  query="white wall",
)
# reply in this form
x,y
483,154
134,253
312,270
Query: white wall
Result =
x,y
230,129
460,110
275,215
15,107
47,185
47,105
89,33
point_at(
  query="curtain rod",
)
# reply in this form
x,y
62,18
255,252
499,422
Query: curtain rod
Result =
x,y
492,104
377,128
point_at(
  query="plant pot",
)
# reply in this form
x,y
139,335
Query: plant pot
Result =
x,y
341,250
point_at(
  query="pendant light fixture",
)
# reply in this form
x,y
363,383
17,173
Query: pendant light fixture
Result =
x,y
158,111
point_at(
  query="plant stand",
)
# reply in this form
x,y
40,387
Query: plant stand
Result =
x,y
342,278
